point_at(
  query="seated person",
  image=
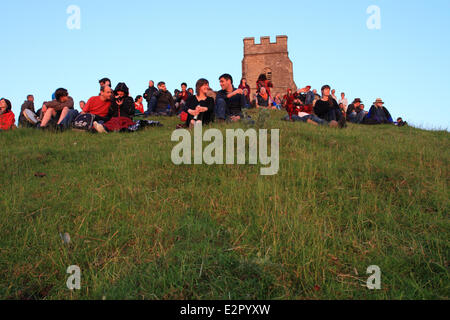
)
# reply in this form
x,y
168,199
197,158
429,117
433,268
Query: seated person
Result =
x,y
99,105
378,114
162,101
200,107
355,111
56,109
263,99
7,118
138,105
121,111
229,100
27,105
327,108
181,98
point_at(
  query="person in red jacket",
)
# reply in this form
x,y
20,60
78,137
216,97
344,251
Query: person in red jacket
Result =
x,y
99,105
7,118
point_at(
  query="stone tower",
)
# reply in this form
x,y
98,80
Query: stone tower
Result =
x,y
272,59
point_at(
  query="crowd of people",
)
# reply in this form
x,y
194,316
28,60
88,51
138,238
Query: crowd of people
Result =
x,y
115,110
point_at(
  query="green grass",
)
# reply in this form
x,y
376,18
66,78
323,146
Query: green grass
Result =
x,y
143,228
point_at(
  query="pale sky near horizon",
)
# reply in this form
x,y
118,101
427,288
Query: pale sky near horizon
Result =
x,y
406,62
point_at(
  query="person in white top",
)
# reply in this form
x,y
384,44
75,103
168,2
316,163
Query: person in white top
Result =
x,y
344,101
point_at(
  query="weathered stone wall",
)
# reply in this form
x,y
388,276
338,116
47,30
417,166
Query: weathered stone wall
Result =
x,y
268,57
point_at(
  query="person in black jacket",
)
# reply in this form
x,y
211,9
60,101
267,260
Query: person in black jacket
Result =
x,y
28,104
328,109
200,107
122,104
148,94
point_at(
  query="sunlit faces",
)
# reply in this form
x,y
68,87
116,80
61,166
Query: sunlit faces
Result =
x,y
225,84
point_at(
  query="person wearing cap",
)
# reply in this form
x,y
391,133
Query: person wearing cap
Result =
x,y
378,114
7,118
355,113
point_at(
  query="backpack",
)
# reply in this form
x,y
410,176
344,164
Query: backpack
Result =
x,y
83,122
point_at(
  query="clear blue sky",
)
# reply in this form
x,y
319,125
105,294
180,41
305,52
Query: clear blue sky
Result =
x,y
406,62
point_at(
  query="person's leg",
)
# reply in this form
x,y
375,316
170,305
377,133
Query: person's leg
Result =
x,y
67,121
360,117
152,105
47,117
221,107
316,119
64,113
352,117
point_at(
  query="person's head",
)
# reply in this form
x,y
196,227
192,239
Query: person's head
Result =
x,y
30,98
162,86
326,90
106,93
5,105
262,77
243,82
263,91
315,91
191,91
333,92
308,88
289,91
399,119
61,95
226,82
121,90
342,95
361,106
184,87
82,104
138,99
357,102
379,103
151,84
202,86
105,82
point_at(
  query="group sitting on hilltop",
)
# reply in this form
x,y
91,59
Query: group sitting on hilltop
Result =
x,y
116,110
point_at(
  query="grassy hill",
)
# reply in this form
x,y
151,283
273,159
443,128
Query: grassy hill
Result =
x,y
143,228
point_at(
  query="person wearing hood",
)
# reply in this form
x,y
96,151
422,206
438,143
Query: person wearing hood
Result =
x,y
378,114
121,111
122,104
7,118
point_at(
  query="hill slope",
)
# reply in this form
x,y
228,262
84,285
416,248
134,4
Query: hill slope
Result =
x,y
142,227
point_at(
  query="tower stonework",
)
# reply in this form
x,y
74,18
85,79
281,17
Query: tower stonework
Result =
x,y
272,59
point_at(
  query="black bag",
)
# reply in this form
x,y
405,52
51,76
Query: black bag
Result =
x,y
83,122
